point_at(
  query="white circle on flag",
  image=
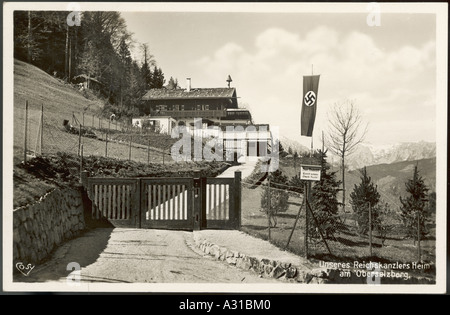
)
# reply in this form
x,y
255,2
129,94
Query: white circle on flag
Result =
x,y
310,98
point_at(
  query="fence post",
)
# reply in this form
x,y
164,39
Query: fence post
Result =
x,y
148,151
268,208
42,129
418,237
83,118
106,143
307,185
81,164
79,141
370,230
84,178
25,133
129,151
308,207
237,198
295,223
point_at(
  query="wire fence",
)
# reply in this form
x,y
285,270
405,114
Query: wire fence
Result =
x,y
290,221
41,132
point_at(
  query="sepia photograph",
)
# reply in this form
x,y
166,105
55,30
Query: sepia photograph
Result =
x,y
225,148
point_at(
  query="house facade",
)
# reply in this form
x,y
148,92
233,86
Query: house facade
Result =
x,y
216,106
160,124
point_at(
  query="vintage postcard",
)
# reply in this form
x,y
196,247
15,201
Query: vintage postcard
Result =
x,y
225,148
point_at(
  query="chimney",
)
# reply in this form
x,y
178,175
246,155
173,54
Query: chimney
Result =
x,y
188,84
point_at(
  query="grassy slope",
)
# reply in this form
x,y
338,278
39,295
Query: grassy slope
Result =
x,y
390,178
60,101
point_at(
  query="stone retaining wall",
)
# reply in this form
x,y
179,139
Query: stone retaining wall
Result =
x,y
264,267
38,228
286,271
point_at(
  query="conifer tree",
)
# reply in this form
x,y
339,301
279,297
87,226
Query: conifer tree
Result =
x,y
324,201
413,207
365,195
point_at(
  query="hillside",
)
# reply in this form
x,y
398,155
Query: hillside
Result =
x,y
390,178
59,164
61,101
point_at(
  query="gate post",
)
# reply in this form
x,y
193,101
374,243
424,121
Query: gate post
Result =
x,y
237,199
203,202
84,179
197,210
137,211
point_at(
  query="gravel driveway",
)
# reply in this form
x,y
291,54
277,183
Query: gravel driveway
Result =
x,y
122,255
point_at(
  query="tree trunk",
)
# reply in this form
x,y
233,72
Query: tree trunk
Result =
x,y
29,38
66,61
70,60
76,51
343,183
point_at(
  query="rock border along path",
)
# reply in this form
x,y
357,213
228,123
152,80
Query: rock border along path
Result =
x,y
223,246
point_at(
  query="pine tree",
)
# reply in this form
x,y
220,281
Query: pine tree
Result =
x,y
386,220
363,196
324,200
413,207
295,161
146,73
157,79
172,84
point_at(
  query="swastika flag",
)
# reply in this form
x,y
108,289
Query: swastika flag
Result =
x,y
309,104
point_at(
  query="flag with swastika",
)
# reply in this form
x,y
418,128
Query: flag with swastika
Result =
x,y
309,104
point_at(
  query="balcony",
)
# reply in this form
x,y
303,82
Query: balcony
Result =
x,y
178,114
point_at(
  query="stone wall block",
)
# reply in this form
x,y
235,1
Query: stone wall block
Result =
x,y
278,272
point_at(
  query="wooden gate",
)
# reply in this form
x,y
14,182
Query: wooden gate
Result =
x,y
166,203
114,200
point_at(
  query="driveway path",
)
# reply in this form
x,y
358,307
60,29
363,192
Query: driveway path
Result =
x,y
123,255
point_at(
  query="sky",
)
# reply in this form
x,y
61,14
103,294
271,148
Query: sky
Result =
x,y
387,71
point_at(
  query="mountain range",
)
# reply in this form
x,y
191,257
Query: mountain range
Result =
x,y
368,154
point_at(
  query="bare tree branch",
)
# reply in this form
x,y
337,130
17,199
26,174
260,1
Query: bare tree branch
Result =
x,y
345,133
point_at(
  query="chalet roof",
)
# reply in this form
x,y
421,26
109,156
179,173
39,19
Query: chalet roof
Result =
x,y
201,93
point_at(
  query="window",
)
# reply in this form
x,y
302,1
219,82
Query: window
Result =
x,y
199,107
182,107
176,107
163,107
206,107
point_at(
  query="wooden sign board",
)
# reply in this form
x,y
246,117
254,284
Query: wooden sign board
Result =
x,y
310,172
